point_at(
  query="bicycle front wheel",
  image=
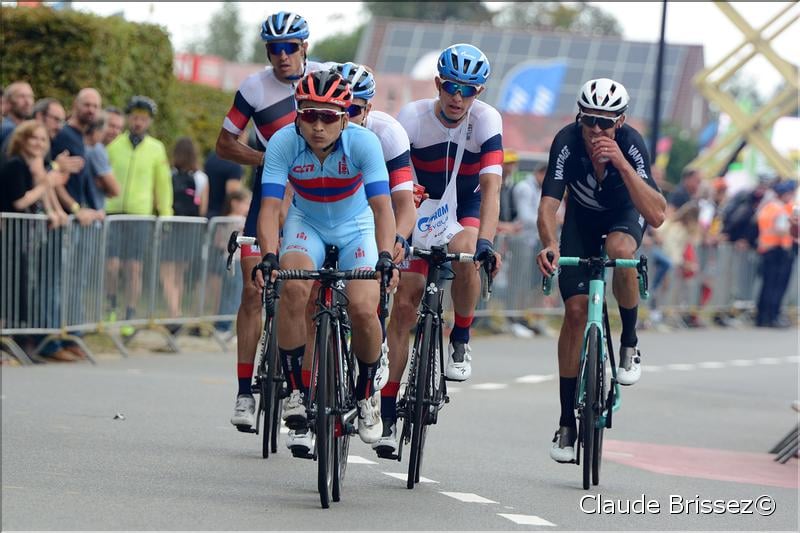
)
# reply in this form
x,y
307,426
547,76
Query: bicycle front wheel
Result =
x,y
268,388
419,416
324,417
590,403
345,388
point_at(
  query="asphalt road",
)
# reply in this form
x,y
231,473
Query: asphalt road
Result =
x,y
692,436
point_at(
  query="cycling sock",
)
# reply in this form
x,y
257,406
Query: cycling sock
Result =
x,y
628,316
292,361
305,380
389,400
461,327
366,373
567,389
244,371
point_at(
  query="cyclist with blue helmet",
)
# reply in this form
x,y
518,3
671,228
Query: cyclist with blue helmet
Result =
x,y
267,98
455,129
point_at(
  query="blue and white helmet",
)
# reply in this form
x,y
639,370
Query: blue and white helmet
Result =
x,y
464,63
282,26
361,81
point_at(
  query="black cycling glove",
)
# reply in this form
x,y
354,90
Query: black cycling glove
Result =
x,y
268,264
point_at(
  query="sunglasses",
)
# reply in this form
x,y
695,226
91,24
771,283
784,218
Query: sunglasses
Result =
x,y
354,110
604,122
311,115
467,91
277,48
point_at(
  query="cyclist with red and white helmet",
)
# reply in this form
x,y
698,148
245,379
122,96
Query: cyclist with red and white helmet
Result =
x,y
454,130
266,98
341,198
604,165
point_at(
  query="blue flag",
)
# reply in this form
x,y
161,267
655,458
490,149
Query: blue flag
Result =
x,y
532,88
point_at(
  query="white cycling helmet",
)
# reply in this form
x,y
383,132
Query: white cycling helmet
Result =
x,y
603,94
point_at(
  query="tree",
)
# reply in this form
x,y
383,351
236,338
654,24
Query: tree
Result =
x,y
225,33
581,18
436,11
683,151
340,47
258,50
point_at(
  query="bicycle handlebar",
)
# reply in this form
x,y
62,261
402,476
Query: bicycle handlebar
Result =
x,y
438,255
639,264
327,274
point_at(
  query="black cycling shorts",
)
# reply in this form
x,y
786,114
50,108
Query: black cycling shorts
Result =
x,y
581,236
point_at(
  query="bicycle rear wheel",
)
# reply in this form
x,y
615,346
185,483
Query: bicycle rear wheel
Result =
x,y
419,416
589,412
324,419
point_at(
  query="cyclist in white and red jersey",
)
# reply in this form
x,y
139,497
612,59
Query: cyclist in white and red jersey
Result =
x,y
266,97
435,128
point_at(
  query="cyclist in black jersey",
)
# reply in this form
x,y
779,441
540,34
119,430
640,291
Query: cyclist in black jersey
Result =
x,y
604,165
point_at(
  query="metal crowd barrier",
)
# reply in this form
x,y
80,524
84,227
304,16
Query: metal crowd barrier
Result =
x,y
130,273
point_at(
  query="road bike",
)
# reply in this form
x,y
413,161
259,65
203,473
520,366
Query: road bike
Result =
x,y
332,406
268,382
426,390
597,397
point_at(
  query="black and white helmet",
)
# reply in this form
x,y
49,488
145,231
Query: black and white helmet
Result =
x,y
603,94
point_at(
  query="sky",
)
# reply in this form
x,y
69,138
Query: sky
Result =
x,y
687,23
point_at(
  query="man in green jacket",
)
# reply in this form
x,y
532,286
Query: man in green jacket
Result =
x,y
141,166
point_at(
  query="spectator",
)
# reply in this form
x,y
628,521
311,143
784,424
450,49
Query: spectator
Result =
x,y
101,174
687,189
79,195
508,212
190,199
29,187
775,220
739,222
680,236
224,178
18,98
50,112
115,123
139,162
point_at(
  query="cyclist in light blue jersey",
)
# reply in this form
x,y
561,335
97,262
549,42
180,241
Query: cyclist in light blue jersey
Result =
x,y
341,198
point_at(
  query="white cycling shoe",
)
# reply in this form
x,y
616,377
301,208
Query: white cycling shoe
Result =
x,y
300,441
294,410
244,413
370,426
459,366
630,366
563,448
386,446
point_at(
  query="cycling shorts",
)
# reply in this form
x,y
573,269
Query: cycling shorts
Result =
x,y
581,236
355,240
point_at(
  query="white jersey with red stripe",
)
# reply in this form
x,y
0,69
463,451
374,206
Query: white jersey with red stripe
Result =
x,y
396,149
267,100
434,148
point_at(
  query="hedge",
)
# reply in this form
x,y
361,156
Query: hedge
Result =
x,y
60,52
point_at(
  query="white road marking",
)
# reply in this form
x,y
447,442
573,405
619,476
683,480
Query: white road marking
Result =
x,y
792,359
404,476
453,389
651,368
711,364
768,361
358,460
467,497
681,366
741,362
526,519
490,386
535,378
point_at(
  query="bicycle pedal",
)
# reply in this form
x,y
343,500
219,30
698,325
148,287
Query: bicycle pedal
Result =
x,y
385,453
247,429
301,452
296,422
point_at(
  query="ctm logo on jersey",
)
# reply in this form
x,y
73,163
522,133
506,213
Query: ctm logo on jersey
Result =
x,y
360,253
343,166
302,236
303,168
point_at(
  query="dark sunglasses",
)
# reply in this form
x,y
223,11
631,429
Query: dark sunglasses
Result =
x,y
604,122
467,91
327,116
354,110
277,48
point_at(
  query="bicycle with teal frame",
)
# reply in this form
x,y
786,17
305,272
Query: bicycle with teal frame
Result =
x,y
596,399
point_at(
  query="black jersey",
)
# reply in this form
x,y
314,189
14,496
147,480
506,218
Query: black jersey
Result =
x,y
570,166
